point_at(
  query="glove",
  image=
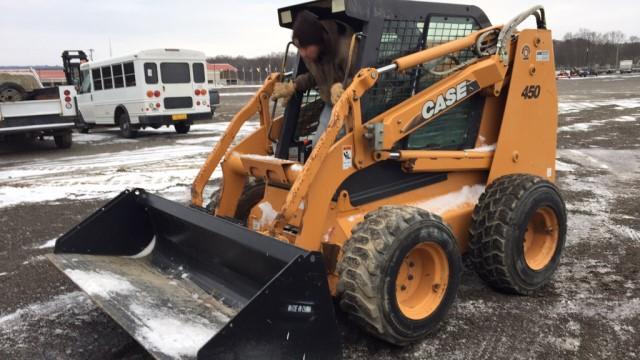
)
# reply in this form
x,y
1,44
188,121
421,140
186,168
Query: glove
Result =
x,y
336,92
283,91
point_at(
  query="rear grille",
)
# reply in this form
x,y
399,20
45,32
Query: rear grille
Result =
x,y
185,102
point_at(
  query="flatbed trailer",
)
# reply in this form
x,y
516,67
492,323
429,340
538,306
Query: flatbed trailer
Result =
x,y
56,116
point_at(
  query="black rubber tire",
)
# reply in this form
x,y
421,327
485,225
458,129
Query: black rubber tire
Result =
x,y
368,270
13,92
252,194
181,128
497,233
63,141
127,130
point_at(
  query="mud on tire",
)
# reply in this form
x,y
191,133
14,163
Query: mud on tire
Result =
x,y
368,287
507,214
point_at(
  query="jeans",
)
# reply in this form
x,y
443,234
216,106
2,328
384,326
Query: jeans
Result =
x,y
323,122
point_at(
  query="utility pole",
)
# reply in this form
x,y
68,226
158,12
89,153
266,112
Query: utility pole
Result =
x,y
91,54
110,50
215,81
587,57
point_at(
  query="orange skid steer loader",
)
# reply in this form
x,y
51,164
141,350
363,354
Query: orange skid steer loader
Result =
x,y
444,142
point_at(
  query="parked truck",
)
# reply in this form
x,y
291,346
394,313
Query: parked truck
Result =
x,y
626,66
30,110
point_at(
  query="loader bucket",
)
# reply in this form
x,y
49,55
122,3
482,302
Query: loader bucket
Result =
x,y
186,284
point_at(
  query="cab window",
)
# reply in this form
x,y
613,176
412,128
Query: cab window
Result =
x,y
151,73
97,79
457,128
198,73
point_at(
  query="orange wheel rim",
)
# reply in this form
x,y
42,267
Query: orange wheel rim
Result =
x,y
422,281
541,238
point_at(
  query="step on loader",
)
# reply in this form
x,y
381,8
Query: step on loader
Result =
x,y
443,143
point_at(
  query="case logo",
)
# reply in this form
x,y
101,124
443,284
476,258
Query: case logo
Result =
x,y
444,101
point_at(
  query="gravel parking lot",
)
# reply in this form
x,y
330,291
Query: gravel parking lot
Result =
x,y
590,311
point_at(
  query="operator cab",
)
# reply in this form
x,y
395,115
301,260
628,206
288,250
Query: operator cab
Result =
x,y
396,29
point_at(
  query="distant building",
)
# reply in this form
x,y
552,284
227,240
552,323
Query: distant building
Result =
x,y
222,74
51,77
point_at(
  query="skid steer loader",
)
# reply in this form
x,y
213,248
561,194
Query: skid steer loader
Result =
x,y
444,142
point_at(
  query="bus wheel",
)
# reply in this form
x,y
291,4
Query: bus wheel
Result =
x,y
182,128
126,129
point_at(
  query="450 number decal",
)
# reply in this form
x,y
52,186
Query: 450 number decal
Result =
x,y
531,92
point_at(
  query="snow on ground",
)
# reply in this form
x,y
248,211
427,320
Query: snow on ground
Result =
x,y
49,243
13,325
167,333
586,126
168,170
568,107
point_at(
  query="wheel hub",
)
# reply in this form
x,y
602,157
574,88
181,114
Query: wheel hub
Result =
x,y
422,280
7,95
541,238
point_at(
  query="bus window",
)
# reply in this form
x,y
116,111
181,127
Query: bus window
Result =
x,y
107,79
118,77
175,73
129,74
86,83
151,73
198,73
97,79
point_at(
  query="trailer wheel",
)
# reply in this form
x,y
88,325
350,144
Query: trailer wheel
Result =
x,y
399,273
63,141
182,128
518,233
10,91
126,129
252,193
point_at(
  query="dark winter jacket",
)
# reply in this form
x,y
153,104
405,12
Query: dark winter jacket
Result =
x,y
329,68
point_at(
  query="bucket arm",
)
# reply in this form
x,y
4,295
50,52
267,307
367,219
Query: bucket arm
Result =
x,y
259,103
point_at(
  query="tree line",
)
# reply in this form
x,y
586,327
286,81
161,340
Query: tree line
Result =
x,y
587,48
581,49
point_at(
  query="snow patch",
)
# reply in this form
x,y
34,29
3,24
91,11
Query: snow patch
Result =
x,y
103,283
484,149
268,215
170,334
578,127
562,166
238,94
147,250
452,201
49,243
37,311
574,107
4,273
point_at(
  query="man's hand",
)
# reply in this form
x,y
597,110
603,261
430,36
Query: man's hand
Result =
x,y
336,92
283,91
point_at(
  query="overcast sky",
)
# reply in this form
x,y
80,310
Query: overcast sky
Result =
x,y
36,31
